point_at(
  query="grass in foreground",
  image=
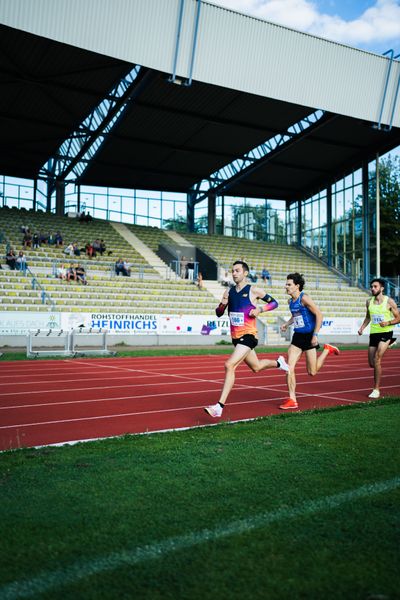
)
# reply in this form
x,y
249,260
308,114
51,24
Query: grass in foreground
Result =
x,y
93,505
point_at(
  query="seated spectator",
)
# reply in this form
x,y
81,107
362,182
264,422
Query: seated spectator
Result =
x,y
58,239
69,250
42,238
11,259
253,275
24,229
265,275
80,274
96,246
21,261
27,240
61,272
122,267
35,240
103,247
90,250
71,273
199,281
88,217
51,239
226,279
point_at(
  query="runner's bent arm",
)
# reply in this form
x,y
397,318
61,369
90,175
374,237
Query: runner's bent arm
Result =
x,y
395,313
366,320
219,311
259,294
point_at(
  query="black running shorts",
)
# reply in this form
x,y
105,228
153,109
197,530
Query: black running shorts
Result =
x,y
303,341
248,340
375,338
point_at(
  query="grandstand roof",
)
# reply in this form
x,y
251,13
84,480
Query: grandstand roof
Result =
x,y
172,136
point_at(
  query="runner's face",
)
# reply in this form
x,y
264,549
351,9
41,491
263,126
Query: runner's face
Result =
x,y
376,288
291,287
238,274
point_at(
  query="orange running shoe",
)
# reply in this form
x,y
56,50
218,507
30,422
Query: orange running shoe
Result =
x,y
289,403
331,349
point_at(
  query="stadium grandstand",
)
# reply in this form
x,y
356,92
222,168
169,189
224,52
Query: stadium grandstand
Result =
x,y
169,157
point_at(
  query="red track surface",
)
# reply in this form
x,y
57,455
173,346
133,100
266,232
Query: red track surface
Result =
x,y
58,401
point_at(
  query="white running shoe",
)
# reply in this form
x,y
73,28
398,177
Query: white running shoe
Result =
x,y
215,410
374,394
282,364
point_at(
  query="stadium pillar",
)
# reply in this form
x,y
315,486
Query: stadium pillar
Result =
x,y
60,197
190,211
211,214
365,226
329,224
299,227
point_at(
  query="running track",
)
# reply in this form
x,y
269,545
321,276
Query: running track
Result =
x,y
59,401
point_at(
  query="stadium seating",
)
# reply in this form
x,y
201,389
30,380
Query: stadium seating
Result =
x,y
146,289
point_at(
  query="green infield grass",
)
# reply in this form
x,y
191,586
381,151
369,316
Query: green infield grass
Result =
x,y
285,507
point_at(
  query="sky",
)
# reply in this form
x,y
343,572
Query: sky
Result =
x,y
372,25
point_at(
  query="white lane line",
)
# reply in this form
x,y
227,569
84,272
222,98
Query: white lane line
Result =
x,y
139,413
51,580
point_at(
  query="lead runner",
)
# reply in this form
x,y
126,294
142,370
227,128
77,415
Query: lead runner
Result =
x,y
242,310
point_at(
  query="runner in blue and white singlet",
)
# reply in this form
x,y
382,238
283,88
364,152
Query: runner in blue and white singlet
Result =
x,y
306,320
303,319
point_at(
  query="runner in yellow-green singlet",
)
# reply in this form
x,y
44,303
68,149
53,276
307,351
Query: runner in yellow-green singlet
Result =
x,y
383,314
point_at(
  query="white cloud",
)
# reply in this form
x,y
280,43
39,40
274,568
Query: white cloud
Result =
x,y
376,25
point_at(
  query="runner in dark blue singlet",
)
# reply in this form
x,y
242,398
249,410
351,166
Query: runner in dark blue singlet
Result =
x,y
306,320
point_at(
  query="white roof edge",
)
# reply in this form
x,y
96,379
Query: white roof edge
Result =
x,y
233,50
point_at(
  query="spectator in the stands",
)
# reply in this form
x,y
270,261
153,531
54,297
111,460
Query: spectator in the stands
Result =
x,y
122,267
190,270
71,273
24,229
61,272
183,267
35,240
58,239
43,238
89,250
69,250
11,258
265,275
226,279
253,275
27,239
21,261
80,274
103,247
96,247
199,281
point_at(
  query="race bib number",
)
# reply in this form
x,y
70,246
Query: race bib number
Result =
x,y
236,318
298,322
376,319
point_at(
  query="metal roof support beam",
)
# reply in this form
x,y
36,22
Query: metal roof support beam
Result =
x,y
389,127
219,182
76,152
174,78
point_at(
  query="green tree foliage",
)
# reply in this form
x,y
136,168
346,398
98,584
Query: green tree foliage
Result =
x,y
389,186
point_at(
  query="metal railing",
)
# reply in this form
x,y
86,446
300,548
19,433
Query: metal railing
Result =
x,y
36,285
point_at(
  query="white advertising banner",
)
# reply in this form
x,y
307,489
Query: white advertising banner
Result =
x,y
19,323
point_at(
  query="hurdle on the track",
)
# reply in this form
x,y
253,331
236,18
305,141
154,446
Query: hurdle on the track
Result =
x,y
89,341
59,342
48,342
